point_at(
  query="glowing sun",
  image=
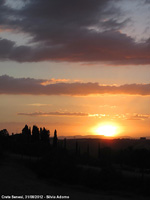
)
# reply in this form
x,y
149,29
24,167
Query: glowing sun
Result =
x,y
106,130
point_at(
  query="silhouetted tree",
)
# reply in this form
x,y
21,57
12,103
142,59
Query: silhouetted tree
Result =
x,y
4,133
44,134
26,132
35,133
65,144
4,138
88,150
99,150
55,139
106,156
79,151
76,148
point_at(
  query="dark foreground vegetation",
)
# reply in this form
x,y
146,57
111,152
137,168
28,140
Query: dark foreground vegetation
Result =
x,y
103,165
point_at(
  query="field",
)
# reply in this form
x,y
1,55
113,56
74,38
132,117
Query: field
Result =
x,y
22,174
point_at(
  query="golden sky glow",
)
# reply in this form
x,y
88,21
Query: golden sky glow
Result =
x,y
81,77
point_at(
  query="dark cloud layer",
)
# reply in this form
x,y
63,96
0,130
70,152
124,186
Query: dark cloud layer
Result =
x,y
56,113
73,31
10,85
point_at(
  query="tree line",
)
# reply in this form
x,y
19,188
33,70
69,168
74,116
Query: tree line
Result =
x,y
33,141
36,134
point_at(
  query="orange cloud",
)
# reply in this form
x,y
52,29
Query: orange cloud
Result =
x,y
53,80
127,116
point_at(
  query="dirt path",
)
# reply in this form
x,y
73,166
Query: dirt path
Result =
x,y
16,179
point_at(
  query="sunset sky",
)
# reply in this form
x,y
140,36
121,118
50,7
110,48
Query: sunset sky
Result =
x,y
75,65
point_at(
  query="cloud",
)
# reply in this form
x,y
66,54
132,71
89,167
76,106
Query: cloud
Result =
x,y
39,104
30,86
73,31
127,116
108,106
53,80
147,1
137,116
132,116
74,114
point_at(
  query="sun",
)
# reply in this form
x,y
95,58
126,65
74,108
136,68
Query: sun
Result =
x,y
107,130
